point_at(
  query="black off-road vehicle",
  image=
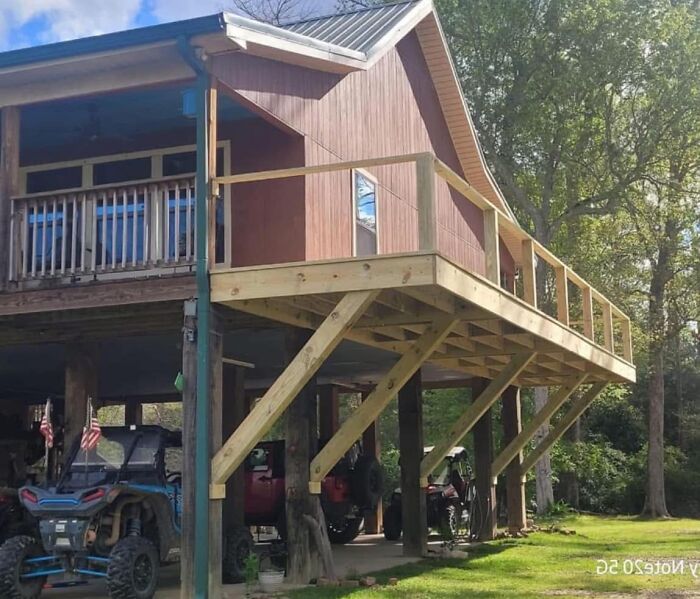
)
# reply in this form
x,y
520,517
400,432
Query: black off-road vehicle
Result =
x,y
114,514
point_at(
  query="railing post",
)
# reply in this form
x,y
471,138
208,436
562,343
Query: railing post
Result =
x,y
9,183
491,252
608,336
529,272
587,305
562,294
626,340
426,202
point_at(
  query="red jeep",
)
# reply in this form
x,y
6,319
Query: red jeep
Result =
x,y
351,488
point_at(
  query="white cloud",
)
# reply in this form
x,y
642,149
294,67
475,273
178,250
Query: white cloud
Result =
x,y
66,19
175,10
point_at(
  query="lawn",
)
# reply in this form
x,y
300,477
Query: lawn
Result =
x,y
552,564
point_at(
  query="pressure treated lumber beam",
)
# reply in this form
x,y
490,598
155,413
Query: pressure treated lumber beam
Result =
x,y
372,407
300,370
521,440
529,274
491,253
475,411
9,181
562,426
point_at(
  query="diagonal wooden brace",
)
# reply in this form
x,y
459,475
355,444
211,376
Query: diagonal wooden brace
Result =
x,y
475,411
578,408
288,385
375,403
518,443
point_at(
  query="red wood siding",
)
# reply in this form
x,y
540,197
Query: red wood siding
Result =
x,y
391,109
268,217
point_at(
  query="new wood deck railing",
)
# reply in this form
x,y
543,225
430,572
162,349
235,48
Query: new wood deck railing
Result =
x,y
498,228
103,230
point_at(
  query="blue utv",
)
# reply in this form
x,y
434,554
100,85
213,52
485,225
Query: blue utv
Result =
x,y
114,514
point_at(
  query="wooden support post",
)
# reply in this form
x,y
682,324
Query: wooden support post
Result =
x,y
562,294
491,253
216,506
235,409
212,113
328,411
516,445
302,563
511,416
483,521
413,498
370,446
529,272
81,382
426,202
375,403
478,408
133,413
189,400
9,185
608,334
578,407
587,305
626,340
300,370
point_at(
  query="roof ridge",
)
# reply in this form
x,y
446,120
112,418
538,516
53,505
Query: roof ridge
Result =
x,y
346,13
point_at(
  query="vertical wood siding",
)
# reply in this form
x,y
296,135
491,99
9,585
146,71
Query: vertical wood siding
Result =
x,y
391,109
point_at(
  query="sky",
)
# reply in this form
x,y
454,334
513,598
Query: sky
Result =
x,y
32,22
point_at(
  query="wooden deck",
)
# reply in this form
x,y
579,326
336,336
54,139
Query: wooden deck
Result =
x,y
415,290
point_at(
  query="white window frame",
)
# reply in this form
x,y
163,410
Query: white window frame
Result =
x,y
353,173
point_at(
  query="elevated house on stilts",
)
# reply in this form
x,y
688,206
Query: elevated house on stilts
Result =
x,y
181,197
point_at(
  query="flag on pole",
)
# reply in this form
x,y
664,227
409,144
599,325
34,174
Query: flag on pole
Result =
x,y
46,428
92,431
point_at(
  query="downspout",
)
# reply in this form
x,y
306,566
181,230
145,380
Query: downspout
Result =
x,y
202,459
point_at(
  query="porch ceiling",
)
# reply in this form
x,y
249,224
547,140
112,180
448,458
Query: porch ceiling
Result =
x,y
415,288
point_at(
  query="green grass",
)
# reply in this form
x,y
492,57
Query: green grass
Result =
x,y
547,564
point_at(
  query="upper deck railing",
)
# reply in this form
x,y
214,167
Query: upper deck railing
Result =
x,y
103,230
599,317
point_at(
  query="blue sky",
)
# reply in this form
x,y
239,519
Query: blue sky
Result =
x,y
32,22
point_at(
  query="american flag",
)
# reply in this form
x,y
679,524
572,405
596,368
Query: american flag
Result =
x,y
92,431
46,428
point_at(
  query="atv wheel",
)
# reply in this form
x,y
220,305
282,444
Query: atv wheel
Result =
x,y
133,569
449,523
345,531
12,555
238,545
367,482
392,523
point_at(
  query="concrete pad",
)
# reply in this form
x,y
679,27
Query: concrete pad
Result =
x,y
368,553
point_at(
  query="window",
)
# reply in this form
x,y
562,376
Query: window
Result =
x,y
55,179
185,163
365,206
118,171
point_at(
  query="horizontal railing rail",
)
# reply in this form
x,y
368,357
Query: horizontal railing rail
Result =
x,y
103,230
497,226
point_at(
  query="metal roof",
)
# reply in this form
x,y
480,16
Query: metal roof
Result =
x,y
357,30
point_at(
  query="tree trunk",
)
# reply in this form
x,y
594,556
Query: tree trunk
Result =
x,y
655,504
544,494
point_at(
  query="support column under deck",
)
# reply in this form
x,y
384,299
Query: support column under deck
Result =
x,y
511,417
370,446
81,383
413,499
483,521
235,409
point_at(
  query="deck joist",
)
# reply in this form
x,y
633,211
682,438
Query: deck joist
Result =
x,y
414,289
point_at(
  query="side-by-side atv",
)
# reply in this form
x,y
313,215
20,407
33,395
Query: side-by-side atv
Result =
x,y
448,499
114,514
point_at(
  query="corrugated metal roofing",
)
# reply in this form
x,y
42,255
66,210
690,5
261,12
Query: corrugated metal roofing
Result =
x,y
357,30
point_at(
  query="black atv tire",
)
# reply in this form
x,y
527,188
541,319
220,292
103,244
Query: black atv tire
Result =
x,y
238,545
12,553
345,532
393,524
366,482
132,572
448,525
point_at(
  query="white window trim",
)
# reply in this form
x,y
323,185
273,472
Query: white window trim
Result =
x,y
353,173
